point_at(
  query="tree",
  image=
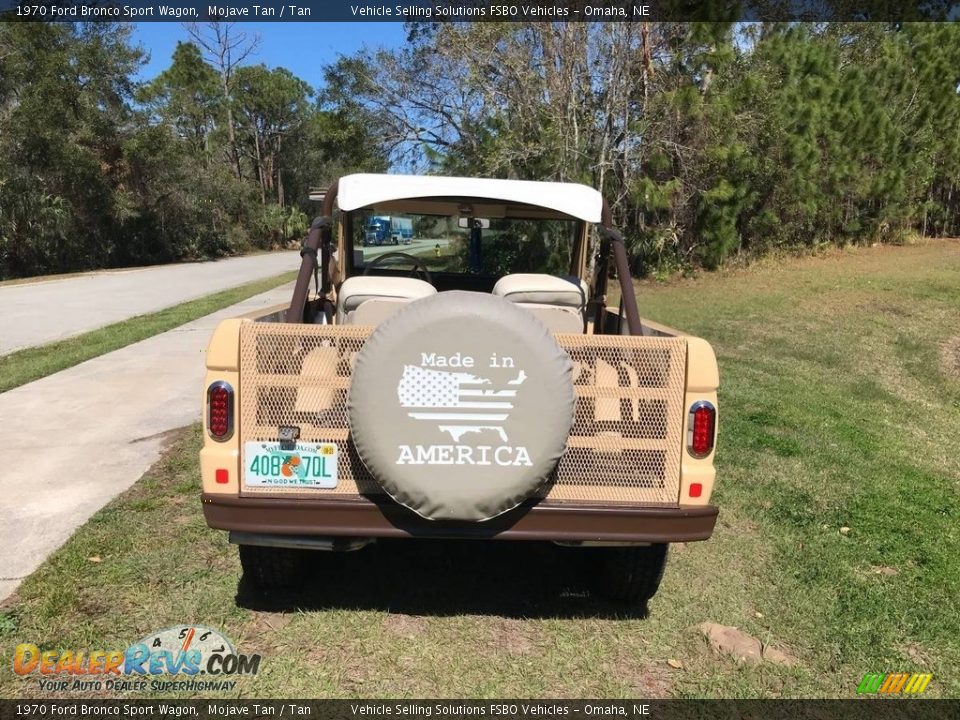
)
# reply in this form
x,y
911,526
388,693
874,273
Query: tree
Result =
x,y
710,140
89,178
270,106
187,96
65,102
226,48
327,145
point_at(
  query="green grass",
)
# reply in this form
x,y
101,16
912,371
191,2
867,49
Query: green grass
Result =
x,y
23,366
840,401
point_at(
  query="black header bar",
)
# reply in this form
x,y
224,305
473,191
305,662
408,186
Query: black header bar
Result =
x,y
482,10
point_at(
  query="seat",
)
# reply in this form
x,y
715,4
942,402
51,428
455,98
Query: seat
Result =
x,y
371,299
558,302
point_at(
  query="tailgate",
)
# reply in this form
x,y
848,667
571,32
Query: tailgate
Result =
x,y
625,445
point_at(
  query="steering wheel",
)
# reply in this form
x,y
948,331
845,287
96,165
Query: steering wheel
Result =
x,y
417,264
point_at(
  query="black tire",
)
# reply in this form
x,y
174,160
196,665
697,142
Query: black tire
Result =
x,y
629,574
273,568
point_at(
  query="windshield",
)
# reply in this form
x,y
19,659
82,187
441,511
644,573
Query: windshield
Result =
x,y
478,246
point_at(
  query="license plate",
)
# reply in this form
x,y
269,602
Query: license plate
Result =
x,y
301,464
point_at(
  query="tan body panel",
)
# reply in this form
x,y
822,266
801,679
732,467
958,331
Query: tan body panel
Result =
x,y
703,379
223,364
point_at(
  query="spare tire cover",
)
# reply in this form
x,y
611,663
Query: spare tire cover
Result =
x,y
460,405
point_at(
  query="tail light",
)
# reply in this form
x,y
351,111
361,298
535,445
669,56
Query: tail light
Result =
x,y
701,428
220,411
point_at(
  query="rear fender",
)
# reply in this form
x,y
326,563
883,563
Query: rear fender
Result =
x,y
223,365
703,379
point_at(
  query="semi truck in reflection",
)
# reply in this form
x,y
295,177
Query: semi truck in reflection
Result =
x,y
387,230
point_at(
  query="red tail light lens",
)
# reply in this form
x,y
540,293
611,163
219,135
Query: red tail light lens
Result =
x,y
701,428
220,411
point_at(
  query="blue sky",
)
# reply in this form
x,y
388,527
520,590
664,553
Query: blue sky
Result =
x,y
303,48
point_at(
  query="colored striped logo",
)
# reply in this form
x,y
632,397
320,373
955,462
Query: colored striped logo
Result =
x,y
894,683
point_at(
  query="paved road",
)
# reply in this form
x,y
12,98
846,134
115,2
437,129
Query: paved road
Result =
x,y
415,246
41,312
72,441
57,467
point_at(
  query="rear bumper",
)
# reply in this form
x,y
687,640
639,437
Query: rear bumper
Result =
x,y
362,517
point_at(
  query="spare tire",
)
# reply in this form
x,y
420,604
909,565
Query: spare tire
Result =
x,y
460,405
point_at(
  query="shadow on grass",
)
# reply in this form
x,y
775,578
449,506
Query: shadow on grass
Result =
x,y
427,577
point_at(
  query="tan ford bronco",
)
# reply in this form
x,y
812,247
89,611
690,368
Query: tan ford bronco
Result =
x,y
476,385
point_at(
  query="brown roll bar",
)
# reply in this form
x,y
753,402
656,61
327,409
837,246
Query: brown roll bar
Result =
x,y
320,237
321,234
627,293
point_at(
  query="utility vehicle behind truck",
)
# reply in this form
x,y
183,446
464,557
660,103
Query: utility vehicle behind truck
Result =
x,y
488,391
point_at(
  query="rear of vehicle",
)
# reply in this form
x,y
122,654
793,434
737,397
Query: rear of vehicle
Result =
x,y
404,230
503,401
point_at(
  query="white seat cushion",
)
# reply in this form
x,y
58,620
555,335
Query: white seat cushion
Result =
x,y
541,290
558,302
389,292
558,319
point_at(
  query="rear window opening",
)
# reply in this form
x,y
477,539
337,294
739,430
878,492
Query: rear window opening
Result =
x,y
456,245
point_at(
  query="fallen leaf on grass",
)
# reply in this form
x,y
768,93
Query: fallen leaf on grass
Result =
x,y
94,558
675,664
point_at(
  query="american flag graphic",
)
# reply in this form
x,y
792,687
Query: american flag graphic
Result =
x,y
456,401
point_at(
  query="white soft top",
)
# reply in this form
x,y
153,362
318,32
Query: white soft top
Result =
x,y
362,190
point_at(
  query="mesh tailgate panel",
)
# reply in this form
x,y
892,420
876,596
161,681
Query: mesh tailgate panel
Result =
x,y
624,446
626,438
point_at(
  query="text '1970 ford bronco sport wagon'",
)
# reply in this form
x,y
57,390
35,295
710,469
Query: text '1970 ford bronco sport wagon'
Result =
x,y
476,385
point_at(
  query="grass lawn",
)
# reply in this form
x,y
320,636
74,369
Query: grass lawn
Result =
x,y
29,364
837,541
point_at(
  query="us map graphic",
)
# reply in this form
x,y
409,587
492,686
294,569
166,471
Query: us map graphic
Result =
x,y
458,402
